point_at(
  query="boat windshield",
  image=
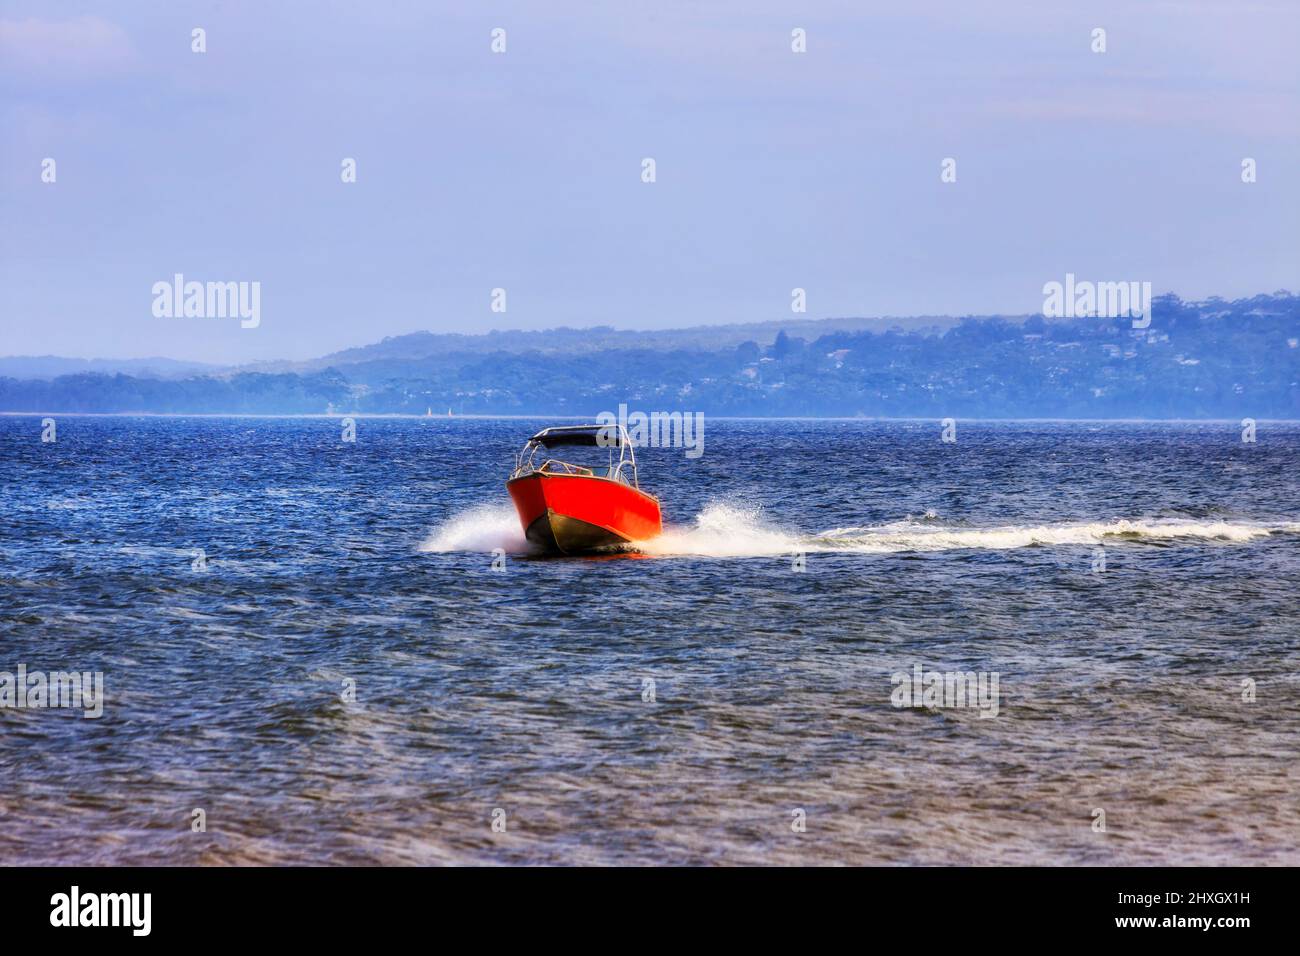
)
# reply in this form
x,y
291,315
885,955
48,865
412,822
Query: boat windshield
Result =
x,y
606,452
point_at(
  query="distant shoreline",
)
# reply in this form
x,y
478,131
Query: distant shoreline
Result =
x,y
1215,361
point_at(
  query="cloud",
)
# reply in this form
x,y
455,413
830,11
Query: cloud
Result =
x,y
80,48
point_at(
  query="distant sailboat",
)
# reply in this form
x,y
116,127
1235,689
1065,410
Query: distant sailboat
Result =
x,y
449,412
428,412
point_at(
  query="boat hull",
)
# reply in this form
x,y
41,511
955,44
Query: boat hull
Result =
x,y
572,514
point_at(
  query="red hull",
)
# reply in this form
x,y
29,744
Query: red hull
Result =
x,y
576,513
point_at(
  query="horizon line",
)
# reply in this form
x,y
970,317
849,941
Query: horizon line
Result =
x,y
722,418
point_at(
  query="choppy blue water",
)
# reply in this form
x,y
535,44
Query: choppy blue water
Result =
x,y
524,690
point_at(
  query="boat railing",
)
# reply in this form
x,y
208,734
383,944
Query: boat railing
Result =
x,y
553,466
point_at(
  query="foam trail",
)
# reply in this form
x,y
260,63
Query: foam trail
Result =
x,y
481,528
724,530
727,530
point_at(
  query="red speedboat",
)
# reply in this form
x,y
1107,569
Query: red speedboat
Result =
x,y
573,508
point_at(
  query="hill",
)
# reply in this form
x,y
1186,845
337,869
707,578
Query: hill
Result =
x,y
1212,359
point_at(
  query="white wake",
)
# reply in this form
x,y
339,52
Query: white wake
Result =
x,y
724,530
727,530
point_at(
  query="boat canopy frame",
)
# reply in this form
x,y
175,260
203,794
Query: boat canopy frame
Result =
x,y
611,436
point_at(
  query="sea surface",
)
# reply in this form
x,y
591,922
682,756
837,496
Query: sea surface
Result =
x,y
314,643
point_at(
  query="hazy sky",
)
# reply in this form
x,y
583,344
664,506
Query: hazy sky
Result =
x,y
522,170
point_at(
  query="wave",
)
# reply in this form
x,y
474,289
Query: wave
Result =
x,y
481,528
727,530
